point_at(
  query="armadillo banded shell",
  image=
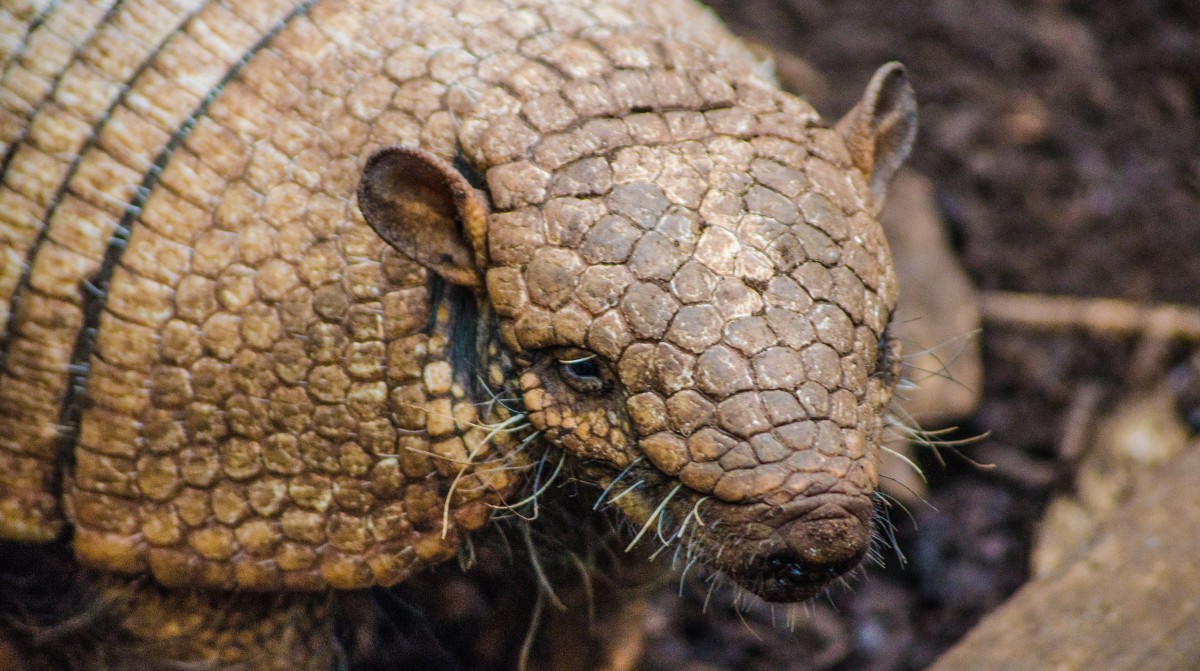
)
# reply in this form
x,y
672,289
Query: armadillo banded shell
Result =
x,y
224,371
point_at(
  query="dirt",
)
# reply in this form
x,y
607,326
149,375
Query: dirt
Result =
x,y
1064,142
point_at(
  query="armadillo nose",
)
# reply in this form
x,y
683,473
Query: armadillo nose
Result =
x,y
815,552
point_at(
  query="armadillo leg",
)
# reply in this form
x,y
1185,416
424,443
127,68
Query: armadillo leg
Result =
x,y
247,632
54,615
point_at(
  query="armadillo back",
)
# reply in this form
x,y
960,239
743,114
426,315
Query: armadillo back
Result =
x,y
224,372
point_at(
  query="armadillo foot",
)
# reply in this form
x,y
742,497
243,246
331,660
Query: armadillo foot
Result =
x,y
58,616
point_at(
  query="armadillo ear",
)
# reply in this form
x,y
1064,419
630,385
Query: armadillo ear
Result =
x,y
419,204
880,129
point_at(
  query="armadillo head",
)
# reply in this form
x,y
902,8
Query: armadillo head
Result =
x,y
695,308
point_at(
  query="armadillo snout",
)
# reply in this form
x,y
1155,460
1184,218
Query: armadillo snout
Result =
x,y
814,553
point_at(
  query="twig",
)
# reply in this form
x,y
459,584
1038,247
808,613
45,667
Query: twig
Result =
x,y
1101,315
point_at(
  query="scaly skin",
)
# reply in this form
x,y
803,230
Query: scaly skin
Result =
x,y
219,369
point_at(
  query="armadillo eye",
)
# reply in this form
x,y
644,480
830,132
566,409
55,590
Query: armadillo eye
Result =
x,y
583,373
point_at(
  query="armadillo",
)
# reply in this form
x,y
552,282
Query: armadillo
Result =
x,y
296,293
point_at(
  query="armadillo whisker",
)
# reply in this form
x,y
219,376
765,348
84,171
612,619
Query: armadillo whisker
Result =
x,y
682,527
471,93
506,426
682,546
544,586
657,511
524,444
737,608
930,438
585,576
512,454
910,490
687,567
912,464
479,447
463,462
713,579
533,498
444,415
889,501
908,428
466,553
632,487
678,533
960,339
490,404
658,530
884,526
427,453
669,541
696,510
535,619
494,399
617,479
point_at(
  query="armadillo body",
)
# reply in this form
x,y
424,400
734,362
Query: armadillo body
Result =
x,y
237,387
214,371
